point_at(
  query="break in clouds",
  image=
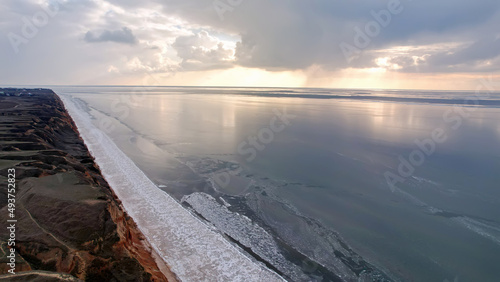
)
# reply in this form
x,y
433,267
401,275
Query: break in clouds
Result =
x,y
103,38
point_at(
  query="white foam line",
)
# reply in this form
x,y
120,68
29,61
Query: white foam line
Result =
x,y
191,249
487,231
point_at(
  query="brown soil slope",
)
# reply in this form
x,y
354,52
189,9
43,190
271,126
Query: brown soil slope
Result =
x,y
68,219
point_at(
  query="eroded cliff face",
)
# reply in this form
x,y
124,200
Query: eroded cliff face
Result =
x,y
136,244
68,218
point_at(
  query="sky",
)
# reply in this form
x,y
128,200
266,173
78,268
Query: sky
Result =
x,y
388,44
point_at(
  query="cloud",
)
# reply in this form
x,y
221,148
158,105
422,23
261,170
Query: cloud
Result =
x,y
467,57
294,34
119,36
203,52
274,36
482,55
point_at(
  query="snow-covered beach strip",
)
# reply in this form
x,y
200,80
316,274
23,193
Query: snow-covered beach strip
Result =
x,y
192,249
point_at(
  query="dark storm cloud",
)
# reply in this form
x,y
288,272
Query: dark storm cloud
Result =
x,y
451,36
296,34
124,35
482,55
480,50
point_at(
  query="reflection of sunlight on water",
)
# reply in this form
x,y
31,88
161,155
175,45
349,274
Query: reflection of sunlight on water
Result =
x,y
388,121
163,104
382,116
166,109
212,111
339,189
229,116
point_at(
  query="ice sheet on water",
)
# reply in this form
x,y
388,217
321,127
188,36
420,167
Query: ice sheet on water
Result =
x,y
243,230
192,250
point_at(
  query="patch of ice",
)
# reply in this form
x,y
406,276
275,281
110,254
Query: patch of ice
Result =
x,y
486,230
193,251
226,204
243,230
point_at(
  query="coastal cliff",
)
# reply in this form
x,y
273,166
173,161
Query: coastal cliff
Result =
x,y
69,223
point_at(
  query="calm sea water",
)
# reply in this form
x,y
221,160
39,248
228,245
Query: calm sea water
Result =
x,y
311,167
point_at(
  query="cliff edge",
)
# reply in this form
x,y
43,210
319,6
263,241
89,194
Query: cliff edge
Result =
x,y
69,225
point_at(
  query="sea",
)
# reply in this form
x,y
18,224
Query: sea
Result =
x,y
310,184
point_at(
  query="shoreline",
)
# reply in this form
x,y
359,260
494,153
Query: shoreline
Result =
x,y
69,220
192,249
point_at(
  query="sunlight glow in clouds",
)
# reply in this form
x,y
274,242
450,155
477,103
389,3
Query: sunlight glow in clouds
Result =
x,y
280,43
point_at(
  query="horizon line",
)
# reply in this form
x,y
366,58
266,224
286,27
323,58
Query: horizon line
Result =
x,y
211,86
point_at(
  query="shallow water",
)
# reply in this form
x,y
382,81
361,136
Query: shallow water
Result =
x,y
310,174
